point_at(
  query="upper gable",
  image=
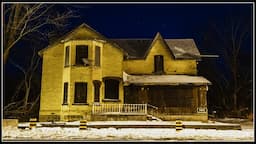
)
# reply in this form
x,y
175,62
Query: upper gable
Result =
x,y
82,32
140,48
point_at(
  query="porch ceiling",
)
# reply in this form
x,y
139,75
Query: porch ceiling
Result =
x,y
164,80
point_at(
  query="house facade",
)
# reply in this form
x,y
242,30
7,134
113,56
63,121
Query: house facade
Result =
x,y
88,76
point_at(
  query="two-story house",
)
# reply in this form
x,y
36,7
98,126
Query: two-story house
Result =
x,y
88,76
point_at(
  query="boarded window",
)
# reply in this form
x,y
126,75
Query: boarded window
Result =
x,y
81,54
67,56
80,92
65,93
159,64
97,56
96,84
111,89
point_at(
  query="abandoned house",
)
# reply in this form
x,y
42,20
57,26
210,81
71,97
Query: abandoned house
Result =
x,y
88,76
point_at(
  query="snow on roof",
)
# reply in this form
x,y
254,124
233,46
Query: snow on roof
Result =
x,y
164,79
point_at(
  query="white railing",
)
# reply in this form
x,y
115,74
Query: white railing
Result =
x,y
119,108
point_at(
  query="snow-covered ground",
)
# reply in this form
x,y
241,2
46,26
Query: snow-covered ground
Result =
x,y
124,134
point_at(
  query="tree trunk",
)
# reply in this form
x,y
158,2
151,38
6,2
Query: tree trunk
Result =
x,y
6,55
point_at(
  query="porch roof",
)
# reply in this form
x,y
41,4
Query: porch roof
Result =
x,y
164,80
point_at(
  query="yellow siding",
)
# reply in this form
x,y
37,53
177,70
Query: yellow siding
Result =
x,y
112,61
51,89
171,66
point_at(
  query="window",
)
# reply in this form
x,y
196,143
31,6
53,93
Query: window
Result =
x,y
67,56
82,55
159,64
80,92
97,56
65,93
96,84
111,89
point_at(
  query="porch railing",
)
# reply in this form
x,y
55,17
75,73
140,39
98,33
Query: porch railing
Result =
x,y
119,108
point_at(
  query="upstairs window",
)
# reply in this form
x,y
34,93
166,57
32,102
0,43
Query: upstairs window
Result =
x,y
159,64
97,56
67,56
82,55
80,92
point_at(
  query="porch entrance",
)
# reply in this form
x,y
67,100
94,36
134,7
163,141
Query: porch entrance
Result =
x,y
169,99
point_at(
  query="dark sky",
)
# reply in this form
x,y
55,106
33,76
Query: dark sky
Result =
x,y
145,20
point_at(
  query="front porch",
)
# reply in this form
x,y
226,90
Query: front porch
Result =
x,y
122,111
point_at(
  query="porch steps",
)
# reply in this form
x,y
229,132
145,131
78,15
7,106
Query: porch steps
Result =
x,y
153,118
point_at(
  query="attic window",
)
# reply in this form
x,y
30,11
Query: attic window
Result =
x,y
159,64
82,55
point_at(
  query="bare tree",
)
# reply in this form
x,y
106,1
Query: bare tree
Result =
x,y
23,19
24,105
227,39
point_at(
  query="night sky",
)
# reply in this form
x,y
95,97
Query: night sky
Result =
x,y
145,20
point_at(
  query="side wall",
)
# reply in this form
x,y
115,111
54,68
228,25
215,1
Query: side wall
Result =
x,y
51,89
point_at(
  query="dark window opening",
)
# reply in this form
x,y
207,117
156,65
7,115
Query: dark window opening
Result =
x,y
82,55
80,92
111,89
96,90
97,56
159,64
65,93
67,56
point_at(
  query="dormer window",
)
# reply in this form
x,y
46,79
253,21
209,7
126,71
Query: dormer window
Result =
x,y
82,55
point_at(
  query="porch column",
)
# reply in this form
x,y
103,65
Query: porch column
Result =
x,y
202,105
203,99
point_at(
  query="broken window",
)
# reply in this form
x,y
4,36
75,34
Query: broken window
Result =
x,y
82,55
111,89
80,92
97,56
159,64
67,56
65,93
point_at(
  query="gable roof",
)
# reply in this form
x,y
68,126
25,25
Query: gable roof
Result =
x,y
134,48
139,48
71,36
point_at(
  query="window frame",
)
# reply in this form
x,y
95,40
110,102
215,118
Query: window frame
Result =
x,y
158,64
79,54
67,56
108,90
97,56
76,91
65,93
